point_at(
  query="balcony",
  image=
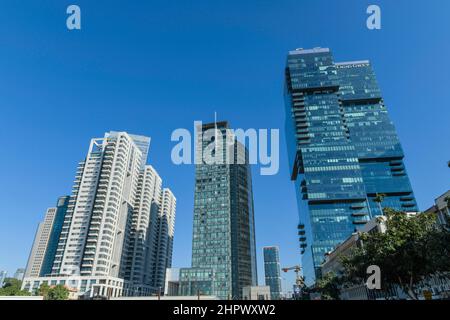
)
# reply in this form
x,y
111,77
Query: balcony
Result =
x,y
396,162
359,214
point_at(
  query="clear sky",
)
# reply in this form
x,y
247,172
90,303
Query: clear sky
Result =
x,y
149,67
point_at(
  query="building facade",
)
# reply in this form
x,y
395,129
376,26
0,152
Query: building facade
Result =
x,y
43,252
111,231
50,253
223,245
343,151
197,281
162,256
256,293
138,267
41,239
272,270
104,193
441,208
172,282
437,284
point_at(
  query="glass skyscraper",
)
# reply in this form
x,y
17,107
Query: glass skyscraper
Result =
x,y
223,245
49,258
272,270
343,151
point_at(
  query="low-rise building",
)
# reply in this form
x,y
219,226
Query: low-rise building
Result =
x,y
80,287
437,284
333,262
256,293
196,281
441,207
172,282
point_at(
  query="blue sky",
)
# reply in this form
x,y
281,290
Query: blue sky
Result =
x,y
149,67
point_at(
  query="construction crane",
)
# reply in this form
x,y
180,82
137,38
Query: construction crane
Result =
x,y
299,280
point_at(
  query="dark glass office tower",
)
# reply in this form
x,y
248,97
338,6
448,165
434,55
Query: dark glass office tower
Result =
x,y
272,270
223,245
343,151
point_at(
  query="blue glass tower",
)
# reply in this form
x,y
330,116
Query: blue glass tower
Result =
x,y
272,270
343,151
50,252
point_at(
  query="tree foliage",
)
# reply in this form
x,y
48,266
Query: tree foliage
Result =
x,y
44,290
58,292
11,287
411,249
329,286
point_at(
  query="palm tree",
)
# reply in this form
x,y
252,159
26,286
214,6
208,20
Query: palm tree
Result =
x,y
379,198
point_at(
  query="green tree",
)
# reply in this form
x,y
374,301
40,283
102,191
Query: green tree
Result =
x,y
11,287
58,292
379,198
44,289
412,248
329,286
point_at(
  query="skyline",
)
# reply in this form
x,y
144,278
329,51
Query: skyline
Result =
x,y
47,166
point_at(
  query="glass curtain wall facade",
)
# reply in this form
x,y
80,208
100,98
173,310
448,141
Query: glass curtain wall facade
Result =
x,y
272,269
343,151
223,246
61,209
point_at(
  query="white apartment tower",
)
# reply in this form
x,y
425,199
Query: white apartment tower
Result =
x,y
104,191
151,236
110,231
166,233
139,264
